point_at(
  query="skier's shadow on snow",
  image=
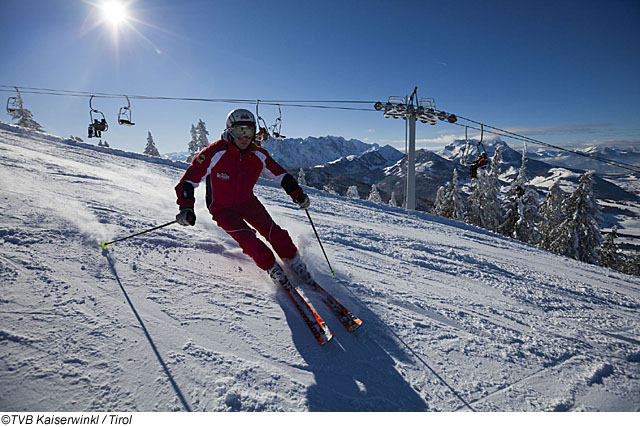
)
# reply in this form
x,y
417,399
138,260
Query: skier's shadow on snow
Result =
x,y
352,371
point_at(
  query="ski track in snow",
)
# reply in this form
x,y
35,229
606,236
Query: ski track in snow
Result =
x,y
454,317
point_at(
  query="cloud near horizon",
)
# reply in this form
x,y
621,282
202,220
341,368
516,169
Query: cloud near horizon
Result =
x,y
442,141
546,130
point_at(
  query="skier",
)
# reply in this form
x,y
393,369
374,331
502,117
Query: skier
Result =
x,y
231,167
482,162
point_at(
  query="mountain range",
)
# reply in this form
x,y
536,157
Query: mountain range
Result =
x,y
386,168
586,161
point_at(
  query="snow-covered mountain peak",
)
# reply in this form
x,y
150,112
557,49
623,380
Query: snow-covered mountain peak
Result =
x,y
311,151
459,148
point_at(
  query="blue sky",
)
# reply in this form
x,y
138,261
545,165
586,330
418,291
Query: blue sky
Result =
x,y
564,72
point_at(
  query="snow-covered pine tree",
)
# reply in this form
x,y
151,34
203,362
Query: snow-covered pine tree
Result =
x,y
529,217
440,203
473,215
352,192
552,212
302,180
521,209
609,254
24,116
27,121
510,211
632,265
151,149
483,205
392,200
491,199
579,235
449,202
374,195
202,135
329,189
193,144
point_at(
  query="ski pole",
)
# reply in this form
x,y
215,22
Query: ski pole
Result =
x,y
105,243
321,247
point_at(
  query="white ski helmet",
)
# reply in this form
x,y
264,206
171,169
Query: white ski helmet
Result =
x,y
239,117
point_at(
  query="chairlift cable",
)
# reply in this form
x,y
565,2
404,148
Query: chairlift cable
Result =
x,y
313,104
286,103
507,134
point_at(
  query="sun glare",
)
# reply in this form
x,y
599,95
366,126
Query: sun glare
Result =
x,y
114,12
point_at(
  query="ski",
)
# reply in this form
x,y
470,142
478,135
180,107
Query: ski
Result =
x,y
349,320
318,327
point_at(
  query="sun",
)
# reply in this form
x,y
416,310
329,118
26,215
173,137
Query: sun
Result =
x,y
114,12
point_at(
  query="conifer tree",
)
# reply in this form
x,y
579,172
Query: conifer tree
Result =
x,y
352,192
392,200
26,120
632,264
521,209
329,189
491,198
374,195
473,215
578,236
151,149
552,212
302,180
24,116
449,202
527,226
202,136
483,205
193,144
609,254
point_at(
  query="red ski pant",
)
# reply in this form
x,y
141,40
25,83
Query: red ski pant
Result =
x,y
234,221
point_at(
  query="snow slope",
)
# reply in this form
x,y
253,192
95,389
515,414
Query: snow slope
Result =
x,y
455,318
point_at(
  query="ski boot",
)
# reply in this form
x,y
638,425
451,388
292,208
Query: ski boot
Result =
x,y
297,265
277,274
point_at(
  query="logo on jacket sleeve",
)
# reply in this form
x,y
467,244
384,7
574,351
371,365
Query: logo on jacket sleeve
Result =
x,y
223,176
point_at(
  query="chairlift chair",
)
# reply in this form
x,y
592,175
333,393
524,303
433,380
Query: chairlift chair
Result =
x,y
263,133
427,111
483,159
124,115
14,103
396,107
276,129
98,122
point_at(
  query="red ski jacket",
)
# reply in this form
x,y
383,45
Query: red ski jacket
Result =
x,y
230,175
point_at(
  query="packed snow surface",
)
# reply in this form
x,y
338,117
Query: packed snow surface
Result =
x,y
455,318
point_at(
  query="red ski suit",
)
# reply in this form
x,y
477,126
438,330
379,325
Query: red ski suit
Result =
x,y
230,176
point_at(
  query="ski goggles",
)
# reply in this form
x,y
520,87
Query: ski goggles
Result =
x,y
243,131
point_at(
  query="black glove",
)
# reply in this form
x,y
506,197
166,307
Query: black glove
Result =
x,y
186,217
302,200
